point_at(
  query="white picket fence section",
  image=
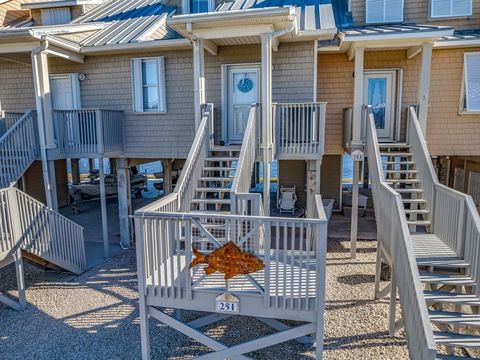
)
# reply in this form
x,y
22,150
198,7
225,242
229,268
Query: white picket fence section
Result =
x,y
395,240
19,147
44,232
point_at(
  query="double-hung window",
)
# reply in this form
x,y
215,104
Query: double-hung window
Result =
x,y
148,78
383,11
471,98
198,6
450,8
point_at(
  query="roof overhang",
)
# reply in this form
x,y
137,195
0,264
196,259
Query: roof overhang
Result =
x,y
460,43
173,44
55,4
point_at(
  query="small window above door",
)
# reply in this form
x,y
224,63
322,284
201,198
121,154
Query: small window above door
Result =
x,y
198,6
383,11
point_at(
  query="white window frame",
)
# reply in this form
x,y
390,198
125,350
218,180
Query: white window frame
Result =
x,y
464,108
56,16
367,21
137,85
187,10
451,15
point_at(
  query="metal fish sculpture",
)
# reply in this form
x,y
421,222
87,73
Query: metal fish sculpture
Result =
x,y
230,260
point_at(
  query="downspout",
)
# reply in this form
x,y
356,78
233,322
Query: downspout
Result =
x,y
40,120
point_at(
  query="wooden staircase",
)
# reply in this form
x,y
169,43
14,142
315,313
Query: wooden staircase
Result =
x,y
212,193
450,293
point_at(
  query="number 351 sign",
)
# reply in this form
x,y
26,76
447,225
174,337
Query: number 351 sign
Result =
x,y
227,303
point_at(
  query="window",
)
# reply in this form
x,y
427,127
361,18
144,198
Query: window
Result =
x,y
384,11
198,6
148,78
471,97
450,8
56,16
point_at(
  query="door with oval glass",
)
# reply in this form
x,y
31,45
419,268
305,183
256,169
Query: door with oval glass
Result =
x,y
380,92
243,84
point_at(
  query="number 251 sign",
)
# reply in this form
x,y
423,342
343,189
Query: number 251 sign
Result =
x,y
227,303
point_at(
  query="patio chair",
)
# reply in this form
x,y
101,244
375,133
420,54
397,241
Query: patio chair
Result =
x,y
287,199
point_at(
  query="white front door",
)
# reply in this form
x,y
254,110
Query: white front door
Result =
x,y
243,84
380,92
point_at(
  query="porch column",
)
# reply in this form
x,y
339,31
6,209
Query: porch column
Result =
x,y
313,185
124,194
267,145
167,177
198,79
424,86
358,99
103,204
75,165
43,103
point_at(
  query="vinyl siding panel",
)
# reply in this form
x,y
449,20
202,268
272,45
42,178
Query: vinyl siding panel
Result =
x,y
16,89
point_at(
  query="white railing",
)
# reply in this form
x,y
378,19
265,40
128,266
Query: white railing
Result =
x,y
455,218
300,130
246,161
395,240
166,239
88,131
7,120
19,147
45,233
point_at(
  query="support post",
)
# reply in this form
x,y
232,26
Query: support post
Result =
x,y
43,105
91,164
267,117
123,176
167,177
424,86
354,224
103,204
358,98
75,165
313,185
198,79
53,185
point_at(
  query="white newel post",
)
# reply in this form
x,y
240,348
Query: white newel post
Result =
x,y
198,78
424,86
358,98
123,176
357,157
266,117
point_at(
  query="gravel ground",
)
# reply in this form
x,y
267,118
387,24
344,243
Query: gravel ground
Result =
x,y
94,316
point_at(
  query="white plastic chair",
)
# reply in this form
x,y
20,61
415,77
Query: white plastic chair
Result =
x,y
287,199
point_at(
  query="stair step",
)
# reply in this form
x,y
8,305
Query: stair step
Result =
x,y
406,191
419,223
394,145
212,189
220,159
443,263
454,318
453,339
219,168
402,181
414,201
396,154
211,201
441,297
398,162
447,279
212,178
419,211
401,171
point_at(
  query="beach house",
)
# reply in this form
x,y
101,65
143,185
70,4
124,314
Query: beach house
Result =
x,y
220,91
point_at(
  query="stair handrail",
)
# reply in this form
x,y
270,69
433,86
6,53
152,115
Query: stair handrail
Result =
x,y
395,240
46,233
22,141
246,160
455,219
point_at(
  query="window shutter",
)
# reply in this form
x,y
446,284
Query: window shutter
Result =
x,y
375,11
162,102
472,81
394,10
137,85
